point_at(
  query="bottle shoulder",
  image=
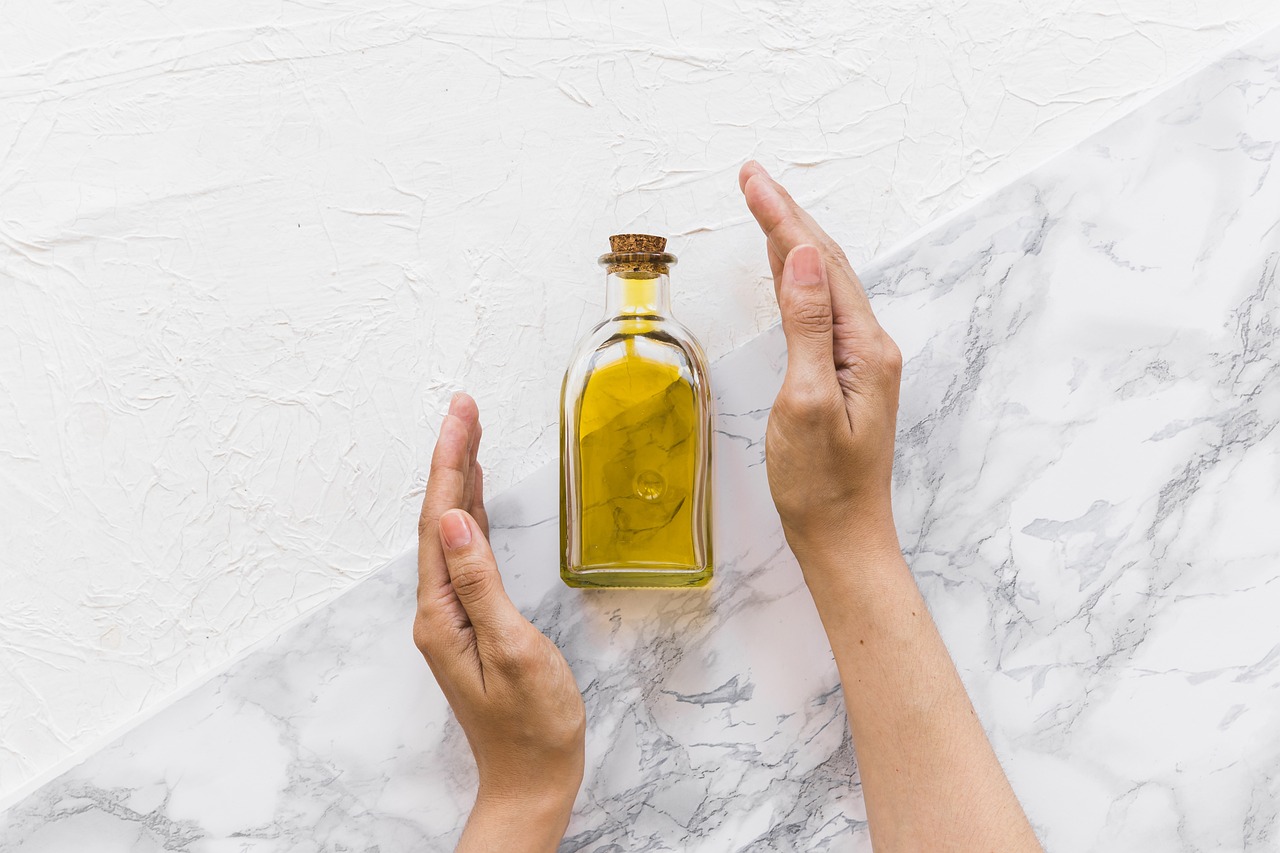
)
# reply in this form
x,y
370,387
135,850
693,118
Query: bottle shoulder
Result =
x,y
667,336
647,351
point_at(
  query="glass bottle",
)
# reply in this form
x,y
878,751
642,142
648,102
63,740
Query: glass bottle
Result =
x,y
635,436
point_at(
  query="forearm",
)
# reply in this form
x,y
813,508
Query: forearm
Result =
x,y
930,778
515,826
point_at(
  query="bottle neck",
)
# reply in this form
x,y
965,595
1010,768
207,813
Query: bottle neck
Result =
x,y
632,297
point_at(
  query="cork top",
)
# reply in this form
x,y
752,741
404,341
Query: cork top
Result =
x,y
629,243
638,256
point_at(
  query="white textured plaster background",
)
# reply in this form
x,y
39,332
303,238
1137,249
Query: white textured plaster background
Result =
x,y
248,250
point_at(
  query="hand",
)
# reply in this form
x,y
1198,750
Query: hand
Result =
x,y
829,451
509,686
829,443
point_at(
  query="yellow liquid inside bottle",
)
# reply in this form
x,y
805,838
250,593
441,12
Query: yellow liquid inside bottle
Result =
x,y
638,455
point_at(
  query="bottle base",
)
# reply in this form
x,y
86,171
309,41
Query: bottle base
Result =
x,y
630,577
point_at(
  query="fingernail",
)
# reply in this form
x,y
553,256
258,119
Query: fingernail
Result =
x,y
806,265
453,402
454,530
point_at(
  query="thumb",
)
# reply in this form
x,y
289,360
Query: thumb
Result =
x,y
473,573
804,298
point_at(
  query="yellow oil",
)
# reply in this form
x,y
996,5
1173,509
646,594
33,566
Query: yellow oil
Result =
x,y
637,456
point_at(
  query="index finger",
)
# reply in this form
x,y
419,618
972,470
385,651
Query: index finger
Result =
x,y
786,225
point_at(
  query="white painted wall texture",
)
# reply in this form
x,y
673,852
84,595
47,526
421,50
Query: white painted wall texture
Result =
x,y
248,250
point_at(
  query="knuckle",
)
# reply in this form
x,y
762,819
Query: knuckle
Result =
x,y
514,653
836,252
421,634
811,315
446,477
442,470
793,217
786,196
890,355
530,646
805,402
471,578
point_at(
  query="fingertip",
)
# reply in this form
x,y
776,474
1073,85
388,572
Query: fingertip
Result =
x,y
749,169
463,407
451,442
763,200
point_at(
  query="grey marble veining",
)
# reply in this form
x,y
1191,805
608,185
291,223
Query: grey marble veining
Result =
x,y
1087,487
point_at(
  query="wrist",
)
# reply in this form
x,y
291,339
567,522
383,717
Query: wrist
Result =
x,y
859,579
525,821
851,561
549,800
511,785
857,541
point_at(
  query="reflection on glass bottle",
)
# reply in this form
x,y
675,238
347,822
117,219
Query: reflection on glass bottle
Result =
x,y
635,437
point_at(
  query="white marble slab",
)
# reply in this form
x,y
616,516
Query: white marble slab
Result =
x,y
1088,488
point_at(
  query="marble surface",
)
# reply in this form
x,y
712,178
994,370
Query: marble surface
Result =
x,y
1088,489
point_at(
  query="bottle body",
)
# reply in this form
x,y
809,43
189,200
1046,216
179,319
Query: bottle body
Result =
x,y
635,432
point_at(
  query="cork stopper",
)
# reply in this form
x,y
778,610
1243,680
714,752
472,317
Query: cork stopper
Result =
x,y
628,243
638,256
